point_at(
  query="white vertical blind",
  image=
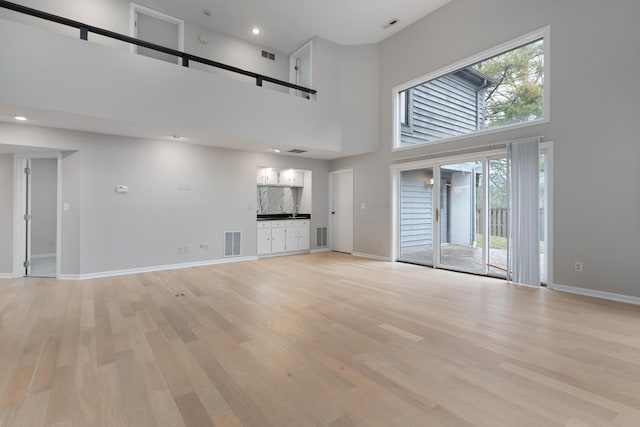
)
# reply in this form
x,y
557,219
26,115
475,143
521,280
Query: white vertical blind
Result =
x,y
524,256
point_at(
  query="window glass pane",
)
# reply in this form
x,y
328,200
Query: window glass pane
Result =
x,y
460,218
543,217
500,91
516,95
402,104
498,214
417,216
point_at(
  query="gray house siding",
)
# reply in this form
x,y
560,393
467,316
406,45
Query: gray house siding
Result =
x,y
416,209
445,107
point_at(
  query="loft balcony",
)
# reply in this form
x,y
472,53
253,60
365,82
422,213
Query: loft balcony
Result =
x,y
70,82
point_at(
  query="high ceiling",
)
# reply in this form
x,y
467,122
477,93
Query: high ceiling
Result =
x,y
287,24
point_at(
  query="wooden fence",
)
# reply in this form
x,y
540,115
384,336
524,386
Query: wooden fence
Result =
x,y
499,222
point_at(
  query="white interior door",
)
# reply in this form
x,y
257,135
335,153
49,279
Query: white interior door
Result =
x,y
300,62
341,214
43,218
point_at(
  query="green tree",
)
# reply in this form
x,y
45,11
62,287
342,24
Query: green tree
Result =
x,y
517,94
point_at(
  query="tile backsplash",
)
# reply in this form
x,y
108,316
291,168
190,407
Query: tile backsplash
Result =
x,y
277,200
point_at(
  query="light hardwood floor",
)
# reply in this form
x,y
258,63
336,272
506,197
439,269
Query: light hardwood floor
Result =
x,y
313,340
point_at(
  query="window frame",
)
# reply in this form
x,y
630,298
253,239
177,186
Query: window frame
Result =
x,y
407,124
542,33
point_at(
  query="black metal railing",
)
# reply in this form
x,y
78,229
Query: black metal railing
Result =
x,y
186,57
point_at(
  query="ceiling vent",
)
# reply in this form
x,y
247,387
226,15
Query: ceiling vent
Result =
x,y
269,55
391,23
296,151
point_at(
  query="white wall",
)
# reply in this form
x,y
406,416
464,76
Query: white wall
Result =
x,y
359,95
346,77
6,213
238,53
595,101
44,200
106,231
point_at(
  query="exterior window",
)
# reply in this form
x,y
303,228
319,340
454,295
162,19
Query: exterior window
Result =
x,y
403,105
506,88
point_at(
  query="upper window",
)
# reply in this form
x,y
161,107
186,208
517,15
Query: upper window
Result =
x,y
404,107
500,88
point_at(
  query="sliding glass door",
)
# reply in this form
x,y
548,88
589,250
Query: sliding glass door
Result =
x,y
455,214
498,217
417,216
461,216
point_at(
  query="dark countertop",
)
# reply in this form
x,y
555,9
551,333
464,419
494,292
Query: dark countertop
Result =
x,y
272,217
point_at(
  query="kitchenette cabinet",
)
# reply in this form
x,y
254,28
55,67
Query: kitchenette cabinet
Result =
x,y
297,234
283,236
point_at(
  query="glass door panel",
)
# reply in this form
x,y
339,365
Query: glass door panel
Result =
x,y
543,216
461,217
417,216
498,216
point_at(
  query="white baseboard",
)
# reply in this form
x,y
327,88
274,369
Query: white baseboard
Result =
x,y
52,255
154,268
320,250
596,294
6,276
279,254
376,257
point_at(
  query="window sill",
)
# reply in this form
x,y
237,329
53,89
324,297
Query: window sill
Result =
x,y
470,136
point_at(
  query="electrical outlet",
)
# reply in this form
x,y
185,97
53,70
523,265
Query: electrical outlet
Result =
x,y
186,249
578,266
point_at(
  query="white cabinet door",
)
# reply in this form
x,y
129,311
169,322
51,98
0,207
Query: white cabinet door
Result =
x,y
261,176
264,238
303,238
296,179
292,237
292,178
271,176
277,237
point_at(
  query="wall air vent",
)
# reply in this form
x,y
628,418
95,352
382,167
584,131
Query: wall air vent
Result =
x,y
321,237
232,240
269,55
296,151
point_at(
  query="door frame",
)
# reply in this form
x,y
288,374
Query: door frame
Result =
x,y
19,192
396,169
484,156
293,75
332,204
135,8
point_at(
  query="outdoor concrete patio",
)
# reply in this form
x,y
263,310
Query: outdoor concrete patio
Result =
x,y
463,258
459,257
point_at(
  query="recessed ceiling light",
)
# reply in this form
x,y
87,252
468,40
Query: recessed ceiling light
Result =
x,y
176,137
20,118
275,150
255,31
